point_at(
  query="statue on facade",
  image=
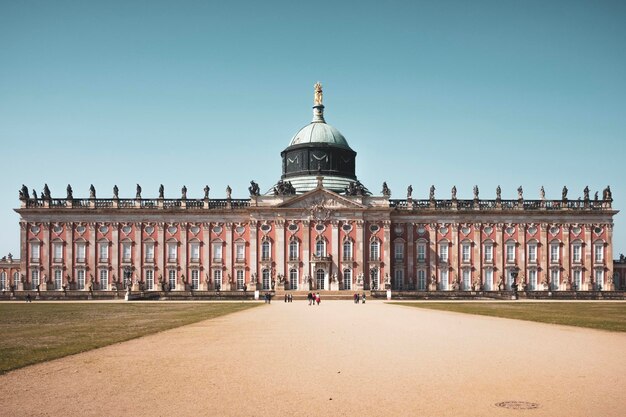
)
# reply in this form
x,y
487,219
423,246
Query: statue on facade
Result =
x,y
318,95
355,188
228,192
46,192
595,196
34,195
564,193
116,192
183,193
607,195
206,192
500,284
284,188
70,193
432,193
498,193
92,191
476,192
520,193
586,193
161,191
254,188
409,191
476,284
387,279
454,192
386,192
24,193
455,284
542,193
138,194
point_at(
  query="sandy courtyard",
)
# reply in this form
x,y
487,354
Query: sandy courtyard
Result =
x,y
338,359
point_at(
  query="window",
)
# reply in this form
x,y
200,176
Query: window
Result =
x,y
320,275
103,251
57,250
347,250
149,279
599,252
126,251
293,250
149,252
554,252
217,251
195,279
81,250
467,285
16,279
532,279
3,281
532,252
320,248
80,279
104,279
421,252
443,252
240,279
510,252
34,252
374,278
488,252
554,279
421,280
240,252
399,251
488,284
265,250
576,253
599,279
465,252
577,279
443,278
347,279
194,248
217,279
293,279
172,251
265,274
171,277
374,250
34,278
58,279
398,279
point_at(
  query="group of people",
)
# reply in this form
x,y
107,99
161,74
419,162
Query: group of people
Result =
x,y
288,298
313,298
358,298
268,298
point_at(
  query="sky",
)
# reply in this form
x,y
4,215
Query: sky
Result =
x,y
202,93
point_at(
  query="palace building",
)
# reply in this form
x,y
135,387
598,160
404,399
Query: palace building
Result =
x,y
319,228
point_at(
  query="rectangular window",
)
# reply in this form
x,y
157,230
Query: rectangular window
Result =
x,y
103,250
240,280
195,252
554,279
172,251
347,279
58,279
81,250
510,252
576,253
421,252
104,279
34,252
443,252
195,279
374,251
3,281
217,279
399,251
599,252
421,280
443,280
466,251
488,252
126,251
149,279
217,251
532,279
467,285
398,281
347,250
532,253
577,280
34,279
554,252
240,252
80,279
149,248
488,285
599,279
58,252
171,275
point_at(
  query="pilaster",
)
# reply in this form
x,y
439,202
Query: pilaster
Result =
x,y
206,254
44,275
306,253
523,273
138,272
433,256
69,252
454,257
184,261
254,248
92,256
566,275
24,255
115,252
358,256
588,250
229,273
608,260
411,277
477,261
386,269
543,256
334,251
498,256
280,248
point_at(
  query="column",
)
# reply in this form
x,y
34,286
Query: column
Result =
x,y
359,256
386,270
454,256
477,259
498,256
588,248
411,277
228,259
115,252
138,273
280,250
334,247
92,257
608,260
521,237
69,252
565,260
23,254
433,258
254,249
44,275
206,255
184,261
544,258
306,253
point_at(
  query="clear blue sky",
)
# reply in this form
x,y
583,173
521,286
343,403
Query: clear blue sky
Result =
x,y
447,93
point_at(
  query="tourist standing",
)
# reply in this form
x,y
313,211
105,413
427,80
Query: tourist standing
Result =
x,y
309,297
363,297
317,298
286,297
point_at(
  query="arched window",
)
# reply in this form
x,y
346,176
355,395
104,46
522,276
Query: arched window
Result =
x,y
293,250
347,279
217,278
16,279
374,278
347,250
374,250
320,275
3,281
58,278
265,250
265,274
293,279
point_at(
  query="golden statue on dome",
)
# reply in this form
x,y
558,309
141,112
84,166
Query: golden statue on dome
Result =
x,y
317,100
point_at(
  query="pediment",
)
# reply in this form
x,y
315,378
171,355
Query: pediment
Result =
x,y
321,199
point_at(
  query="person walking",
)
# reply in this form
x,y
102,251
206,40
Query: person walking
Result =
x,y
286,296
355,298
317,298
363,297
309,297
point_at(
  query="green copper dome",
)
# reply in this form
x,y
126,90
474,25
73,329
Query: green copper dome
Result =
x,y
319,132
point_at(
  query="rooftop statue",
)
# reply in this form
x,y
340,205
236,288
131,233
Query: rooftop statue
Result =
x,y
70,193
161,191
386,191
454,192
46,192
564,193
542,193
607,194
138,195
206,191
520,193
318,96
34,195
498,192
183,192
476,192
254,188
432,192
284,188
355,188
409,191
24,192
92,191
595,196
115,191
586,193
228,191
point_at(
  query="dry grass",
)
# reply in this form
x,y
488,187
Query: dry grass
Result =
x,y
38,332
602,315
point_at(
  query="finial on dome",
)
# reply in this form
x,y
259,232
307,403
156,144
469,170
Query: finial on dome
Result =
x,y
318,107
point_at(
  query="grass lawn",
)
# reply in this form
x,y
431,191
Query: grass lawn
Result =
x,y
604,316
38,332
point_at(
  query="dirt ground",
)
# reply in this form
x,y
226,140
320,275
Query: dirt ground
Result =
x,y
338,359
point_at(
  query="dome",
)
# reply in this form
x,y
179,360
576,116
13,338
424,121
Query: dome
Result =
x,y
319,132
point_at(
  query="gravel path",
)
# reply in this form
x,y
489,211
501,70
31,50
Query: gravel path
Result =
x,y
338,359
